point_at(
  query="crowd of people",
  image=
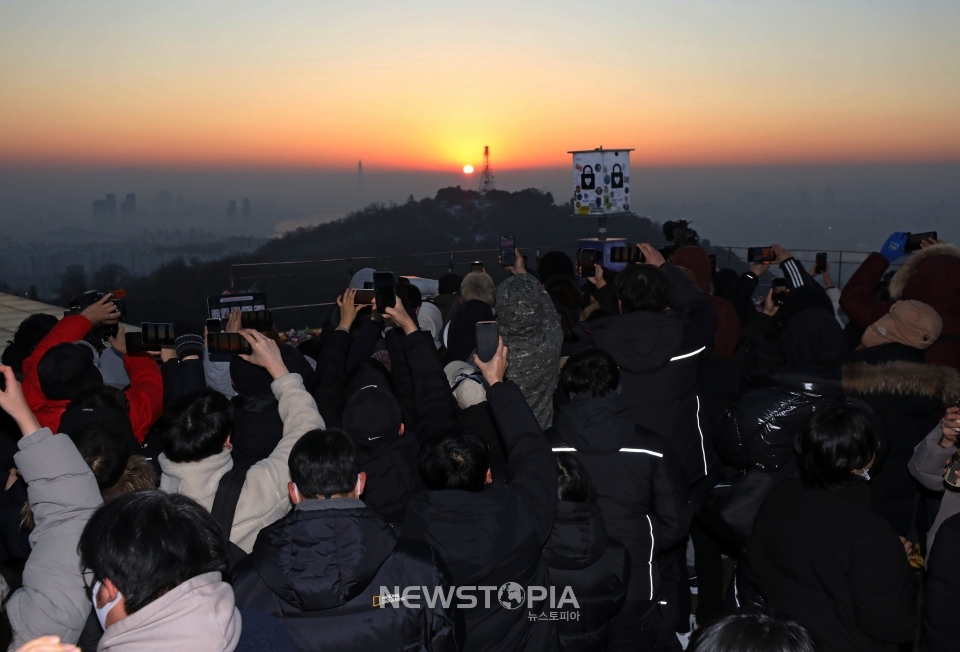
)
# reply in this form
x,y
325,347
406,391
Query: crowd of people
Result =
x,y
658,458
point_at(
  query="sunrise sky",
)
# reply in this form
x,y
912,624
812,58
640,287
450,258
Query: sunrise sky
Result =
x,y
425,84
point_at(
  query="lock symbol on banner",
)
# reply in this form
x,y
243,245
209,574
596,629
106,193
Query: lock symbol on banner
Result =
x,y
616,176
586,178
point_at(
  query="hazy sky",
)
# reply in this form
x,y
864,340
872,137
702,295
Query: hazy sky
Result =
x,y
425,84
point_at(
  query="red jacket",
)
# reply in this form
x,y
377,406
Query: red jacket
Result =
x,y
146,385
931,276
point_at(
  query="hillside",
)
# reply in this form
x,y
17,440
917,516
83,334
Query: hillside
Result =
x,y
454,220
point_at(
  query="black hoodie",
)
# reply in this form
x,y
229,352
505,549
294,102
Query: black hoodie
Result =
x,y
322,570
496,536
660,355
641,488
580,555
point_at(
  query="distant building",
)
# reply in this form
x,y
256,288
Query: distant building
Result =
x,y
105,210
232,210
128,209
246,209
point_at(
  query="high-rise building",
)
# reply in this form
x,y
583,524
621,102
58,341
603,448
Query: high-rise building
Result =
x,y
105,210
128,208
246,209
232,210
111,206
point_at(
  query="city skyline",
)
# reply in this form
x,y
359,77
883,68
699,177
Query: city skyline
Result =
x,y
425,86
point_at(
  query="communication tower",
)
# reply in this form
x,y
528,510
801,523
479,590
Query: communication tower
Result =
x,y
486,177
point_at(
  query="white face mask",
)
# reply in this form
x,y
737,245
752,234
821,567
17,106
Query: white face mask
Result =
x,y
105,609
865,475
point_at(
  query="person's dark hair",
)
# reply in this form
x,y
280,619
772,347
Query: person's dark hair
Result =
x,y
324,463
105,451
33,329
573,481
752,632
106,396
590,370
643,287
411,296
149,542
556,263
455,458
831,443
564,289
196,426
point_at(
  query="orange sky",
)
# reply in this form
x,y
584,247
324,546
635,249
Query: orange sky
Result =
x,y
427,84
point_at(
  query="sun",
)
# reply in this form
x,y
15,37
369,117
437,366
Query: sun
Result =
x,y
468,169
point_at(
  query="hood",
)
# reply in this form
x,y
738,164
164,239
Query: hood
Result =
x,y
316,559
524,309
197,615
578,538
902,377
640,342
697,261
430,319
471,531
596,425
899,281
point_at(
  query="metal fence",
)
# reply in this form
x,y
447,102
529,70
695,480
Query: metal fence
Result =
x,y
842,263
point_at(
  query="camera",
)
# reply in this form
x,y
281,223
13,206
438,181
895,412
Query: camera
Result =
x,y
680,234
110,327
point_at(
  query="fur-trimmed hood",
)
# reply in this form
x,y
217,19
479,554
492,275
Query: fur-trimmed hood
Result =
x,y
902,377
899,281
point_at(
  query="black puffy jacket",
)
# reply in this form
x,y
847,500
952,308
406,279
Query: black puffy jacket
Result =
x,y
941,627
496,536
909,395
322,570
758,431
581,556
641,488
660,355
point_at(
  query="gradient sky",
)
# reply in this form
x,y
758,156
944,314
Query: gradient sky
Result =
x,y
425,84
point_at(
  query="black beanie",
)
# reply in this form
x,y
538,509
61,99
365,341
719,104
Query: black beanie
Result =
x,y
67,369
372,414
556,263
189,344
449,283
117,421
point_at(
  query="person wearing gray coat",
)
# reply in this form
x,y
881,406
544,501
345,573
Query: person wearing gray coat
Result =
x,y
927,465
530,326
63,495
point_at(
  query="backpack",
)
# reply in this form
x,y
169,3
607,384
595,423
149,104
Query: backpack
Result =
x,y
225,506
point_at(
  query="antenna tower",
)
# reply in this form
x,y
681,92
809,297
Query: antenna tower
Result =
x,y
486,177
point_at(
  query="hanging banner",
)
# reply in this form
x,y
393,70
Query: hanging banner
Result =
x,y
601,181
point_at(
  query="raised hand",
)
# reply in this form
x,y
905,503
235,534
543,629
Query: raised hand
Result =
x,y
494,370
265,354
101,311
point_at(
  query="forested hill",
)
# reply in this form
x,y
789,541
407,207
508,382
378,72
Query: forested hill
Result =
x,y
454,220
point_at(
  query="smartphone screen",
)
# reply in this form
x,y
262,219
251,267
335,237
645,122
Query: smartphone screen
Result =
x,y
364,297
385,290
488,340
228,343
157,334
134,342
915,240
258,320
821,261
476,266
508,251
779,286
214,325
761,255
587,262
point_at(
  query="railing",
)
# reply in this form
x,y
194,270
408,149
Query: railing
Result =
x,y
451,261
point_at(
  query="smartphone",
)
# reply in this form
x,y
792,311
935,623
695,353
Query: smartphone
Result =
x,y
763,255
508,251
821,262
258,320
385,290
134,342
779,286
476,266
214,325
110,328
915,240
364,297
157,335
587,262
488,340
228,343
